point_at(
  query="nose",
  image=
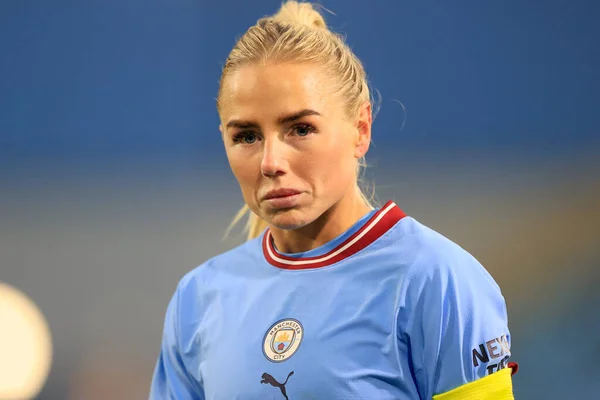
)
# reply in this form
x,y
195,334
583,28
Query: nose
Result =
x,y
274,161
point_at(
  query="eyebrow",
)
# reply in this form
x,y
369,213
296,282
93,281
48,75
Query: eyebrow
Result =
x,y
236,123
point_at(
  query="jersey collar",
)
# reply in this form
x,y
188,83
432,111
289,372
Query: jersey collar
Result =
x,y
379,223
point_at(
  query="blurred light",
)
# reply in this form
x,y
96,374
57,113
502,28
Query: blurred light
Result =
x,y
25,345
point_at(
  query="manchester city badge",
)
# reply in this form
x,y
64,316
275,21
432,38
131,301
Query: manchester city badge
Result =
x,y
282,340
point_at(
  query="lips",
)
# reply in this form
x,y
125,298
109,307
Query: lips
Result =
x,y
279,193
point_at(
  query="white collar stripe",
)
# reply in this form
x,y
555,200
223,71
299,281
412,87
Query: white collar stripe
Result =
x,y
349,247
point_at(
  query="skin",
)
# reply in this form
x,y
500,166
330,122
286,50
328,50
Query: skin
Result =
x,y
284,126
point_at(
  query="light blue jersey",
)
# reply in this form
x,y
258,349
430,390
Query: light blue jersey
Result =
x,y
388,310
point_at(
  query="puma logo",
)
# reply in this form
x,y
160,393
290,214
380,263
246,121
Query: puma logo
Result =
x,y
268,379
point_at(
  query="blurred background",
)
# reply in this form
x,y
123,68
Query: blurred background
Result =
x,y
114,182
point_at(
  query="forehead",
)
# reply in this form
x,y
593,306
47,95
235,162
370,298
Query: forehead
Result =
x,y
261,90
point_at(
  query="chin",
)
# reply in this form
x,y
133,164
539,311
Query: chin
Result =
x,y
289,220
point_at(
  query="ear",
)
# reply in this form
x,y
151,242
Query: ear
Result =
x,y
363,126
221,130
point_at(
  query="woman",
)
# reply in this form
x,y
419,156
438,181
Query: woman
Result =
x,y
330,298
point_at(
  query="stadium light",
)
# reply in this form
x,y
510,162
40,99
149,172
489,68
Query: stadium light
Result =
x,y
25,345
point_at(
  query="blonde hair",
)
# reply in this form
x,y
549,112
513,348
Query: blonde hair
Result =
x,y
298,33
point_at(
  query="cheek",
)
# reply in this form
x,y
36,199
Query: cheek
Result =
x,y
243,168
333,167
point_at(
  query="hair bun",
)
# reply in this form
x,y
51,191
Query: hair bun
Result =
x,y
296,13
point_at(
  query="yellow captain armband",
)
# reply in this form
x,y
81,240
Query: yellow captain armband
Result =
x,y
497,386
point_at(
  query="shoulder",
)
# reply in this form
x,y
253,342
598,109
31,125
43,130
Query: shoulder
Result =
x,y
446,286
434,258
228,263
452,313
198,288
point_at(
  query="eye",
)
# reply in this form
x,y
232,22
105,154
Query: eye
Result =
x,y
245,138
303,129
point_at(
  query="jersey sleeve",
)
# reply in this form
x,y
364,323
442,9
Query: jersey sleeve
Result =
x,y
454,322
171,380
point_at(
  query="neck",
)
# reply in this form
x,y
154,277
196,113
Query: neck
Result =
x,y
327,227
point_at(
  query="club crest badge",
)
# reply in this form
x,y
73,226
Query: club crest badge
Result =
x,y
282,340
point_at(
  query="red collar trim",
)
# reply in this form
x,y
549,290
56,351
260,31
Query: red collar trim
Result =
x,y
372,230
